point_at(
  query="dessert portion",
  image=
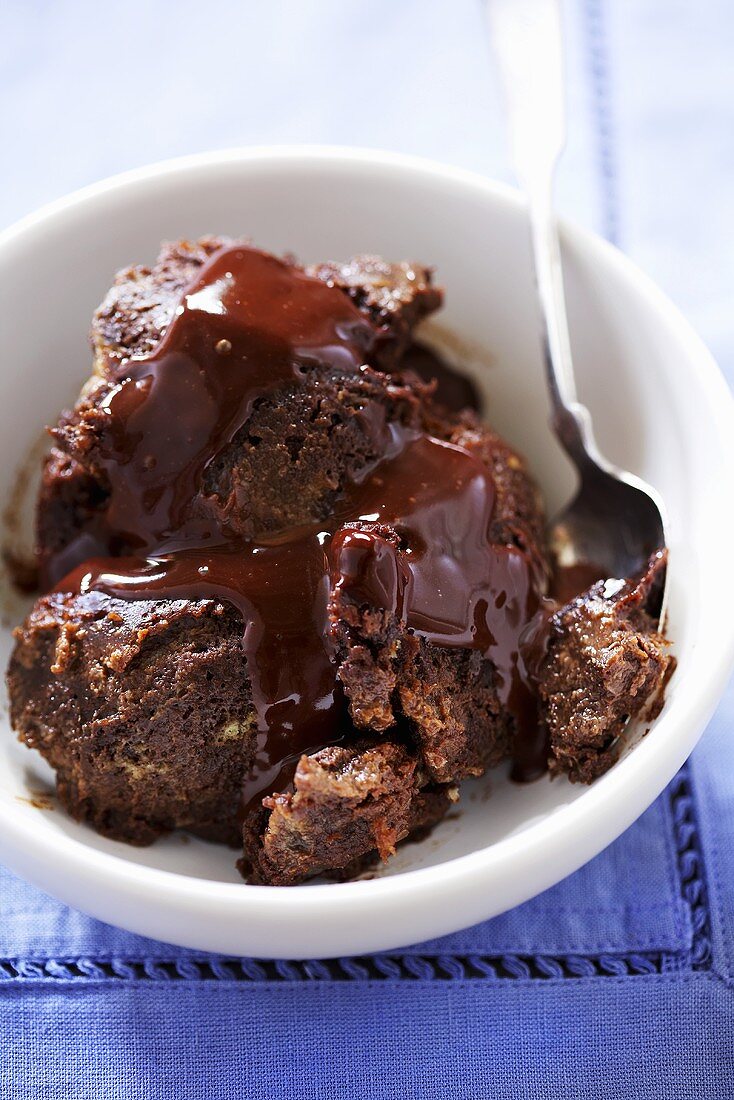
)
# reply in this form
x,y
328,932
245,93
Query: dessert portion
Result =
x,y
295,590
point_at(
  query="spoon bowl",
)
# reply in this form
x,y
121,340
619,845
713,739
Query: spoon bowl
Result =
x,y
615,522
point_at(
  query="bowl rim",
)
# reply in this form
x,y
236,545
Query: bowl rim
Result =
x,y
556,840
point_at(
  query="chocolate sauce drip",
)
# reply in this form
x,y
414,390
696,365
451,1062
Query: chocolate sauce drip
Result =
x,y
248,326
411,536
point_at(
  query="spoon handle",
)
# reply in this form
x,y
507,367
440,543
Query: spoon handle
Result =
x,y
526,37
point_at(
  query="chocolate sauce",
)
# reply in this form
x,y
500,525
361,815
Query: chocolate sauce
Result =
x,y
411,536
531,746
569,581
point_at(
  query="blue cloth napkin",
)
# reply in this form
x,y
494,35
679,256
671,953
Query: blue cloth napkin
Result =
x,y
616,983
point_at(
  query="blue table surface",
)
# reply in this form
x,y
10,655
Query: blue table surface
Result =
x,y
618,981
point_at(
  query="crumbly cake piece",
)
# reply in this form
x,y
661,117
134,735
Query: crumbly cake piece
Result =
x,y
606,664
142,708
348,805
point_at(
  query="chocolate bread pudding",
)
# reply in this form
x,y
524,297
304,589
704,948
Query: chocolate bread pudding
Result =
x,y
295,590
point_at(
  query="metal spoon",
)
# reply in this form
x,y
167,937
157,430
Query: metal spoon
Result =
x,y
616,520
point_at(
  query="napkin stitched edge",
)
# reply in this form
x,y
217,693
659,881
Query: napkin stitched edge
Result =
x,y
442,967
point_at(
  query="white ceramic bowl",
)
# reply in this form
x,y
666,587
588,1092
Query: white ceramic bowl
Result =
x,y
660,409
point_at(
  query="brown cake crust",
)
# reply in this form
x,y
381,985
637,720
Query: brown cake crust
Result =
x,y
138,308
69,500
395,297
